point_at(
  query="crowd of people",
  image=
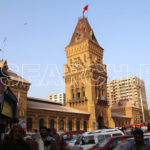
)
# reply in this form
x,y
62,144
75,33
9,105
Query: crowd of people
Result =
x,y
17,140
50,140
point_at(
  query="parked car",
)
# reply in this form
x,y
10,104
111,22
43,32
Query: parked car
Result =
x,y
110,143
70,138
71,134
90,139
69,144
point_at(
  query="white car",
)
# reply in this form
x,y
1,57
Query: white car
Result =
x,y
89,139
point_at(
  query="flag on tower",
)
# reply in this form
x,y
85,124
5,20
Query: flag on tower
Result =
x,y
85,9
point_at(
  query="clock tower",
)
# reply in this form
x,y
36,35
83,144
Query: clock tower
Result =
x,y
86,77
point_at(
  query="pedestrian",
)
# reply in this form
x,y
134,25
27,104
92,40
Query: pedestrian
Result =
x,y
62,143
56,136
15,141
46,142
139,141
33,144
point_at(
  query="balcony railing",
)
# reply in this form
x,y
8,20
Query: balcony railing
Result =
x,y
102,100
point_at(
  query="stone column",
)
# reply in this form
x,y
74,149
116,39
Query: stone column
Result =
x,y
56,125
35,122
47,122
66,124
81,124
74,124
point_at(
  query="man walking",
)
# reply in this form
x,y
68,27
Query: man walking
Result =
x,y
46,142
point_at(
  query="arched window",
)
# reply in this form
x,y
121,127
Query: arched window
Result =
x,y
41,123
102,90
78,94
52,123
100,122
70,125
72,92
85,126
83,91
61,124
29,124
78,125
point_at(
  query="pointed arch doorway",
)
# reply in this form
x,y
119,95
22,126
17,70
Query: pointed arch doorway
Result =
x,y
100,122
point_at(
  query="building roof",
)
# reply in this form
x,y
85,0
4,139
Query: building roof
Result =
x,y
43,100
83,31
39,104
13,76
123,104
114,114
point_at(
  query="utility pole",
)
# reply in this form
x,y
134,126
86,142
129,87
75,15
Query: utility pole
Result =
x,y
141,101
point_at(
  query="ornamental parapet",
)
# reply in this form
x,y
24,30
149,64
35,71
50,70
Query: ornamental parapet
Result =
x,y
78,100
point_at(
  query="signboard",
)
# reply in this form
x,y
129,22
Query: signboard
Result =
x,y
23,123
7,109
93,124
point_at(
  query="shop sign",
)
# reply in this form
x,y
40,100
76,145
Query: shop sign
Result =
x,y
23,123
7,109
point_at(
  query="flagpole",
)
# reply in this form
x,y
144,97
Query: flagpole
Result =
x,y
87,13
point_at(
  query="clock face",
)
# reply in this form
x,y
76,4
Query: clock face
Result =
x,y
78,36
76,64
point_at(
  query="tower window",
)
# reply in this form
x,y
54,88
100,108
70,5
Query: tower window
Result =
x,y
83,92
78,94
72,94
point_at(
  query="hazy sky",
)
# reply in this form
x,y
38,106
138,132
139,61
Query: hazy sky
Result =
x,y
34,34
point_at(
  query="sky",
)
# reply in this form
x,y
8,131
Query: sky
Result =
x,y
34,34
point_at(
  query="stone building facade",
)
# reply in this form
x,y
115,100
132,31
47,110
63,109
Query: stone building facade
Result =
x,y
129,110
131,89
87,106
42,112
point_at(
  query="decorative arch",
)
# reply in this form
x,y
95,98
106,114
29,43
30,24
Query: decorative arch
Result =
x,y
52,123
100,122
41,123
78,125
70,125
61,124
29,124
